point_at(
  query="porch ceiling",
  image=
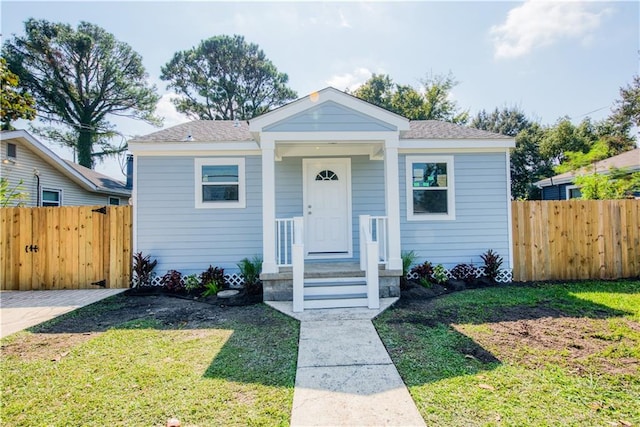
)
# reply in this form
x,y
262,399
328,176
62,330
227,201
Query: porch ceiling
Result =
x,y
374,150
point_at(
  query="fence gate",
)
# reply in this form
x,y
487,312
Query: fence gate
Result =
x,y
68,247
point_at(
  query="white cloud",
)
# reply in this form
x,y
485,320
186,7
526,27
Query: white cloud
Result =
x,y
351,80
166,109
541,23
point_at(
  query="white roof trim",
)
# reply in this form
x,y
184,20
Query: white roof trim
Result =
x,y
320,97
144,148
50,157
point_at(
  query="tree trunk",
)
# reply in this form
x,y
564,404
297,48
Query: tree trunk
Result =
x,y
84,148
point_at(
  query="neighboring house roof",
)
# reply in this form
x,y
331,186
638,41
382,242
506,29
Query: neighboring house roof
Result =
x,y
231,131
629,160
102,182
86,178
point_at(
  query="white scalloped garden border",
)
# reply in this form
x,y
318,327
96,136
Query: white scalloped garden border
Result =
x,y
504,275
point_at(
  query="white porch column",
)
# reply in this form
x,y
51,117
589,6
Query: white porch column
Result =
x,y
268,206
392,201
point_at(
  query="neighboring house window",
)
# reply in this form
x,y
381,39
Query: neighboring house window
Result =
x,y
430,188
114,201
220,183
51,197
12,151
573,192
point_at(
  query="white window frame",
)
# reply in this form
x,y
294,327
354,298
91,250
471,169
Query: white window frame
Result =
x,y
568,189
53,190
451,195
15,149
220,161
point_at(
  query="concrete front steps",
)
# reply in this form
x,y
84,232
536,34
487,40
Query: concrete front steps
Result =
x,y
329,285
335,292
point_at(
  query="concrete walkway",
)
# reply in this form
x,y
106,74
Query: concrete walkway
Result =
x,y
345,376
22,309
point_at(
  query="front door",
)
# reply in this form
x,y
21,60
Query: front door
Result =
x,y
327,207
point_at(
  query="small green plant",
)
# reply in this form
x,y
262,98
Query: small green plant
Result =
x,y
172,281
142,270
492,262
439,274
408,258
424,271
191,283
425,282
213,275
250,272
210,289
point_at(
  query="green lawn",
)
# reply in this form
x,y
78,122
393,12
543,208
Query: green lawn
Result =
x,y
236,369
545,355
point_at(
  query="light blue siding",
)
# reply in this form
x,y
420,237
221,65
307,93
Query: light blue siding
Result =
x,y
329,116
181,237
481,214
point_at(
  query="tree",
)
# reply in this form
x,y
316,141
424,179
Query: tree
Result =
x,y
79,78
225,78
627,108
16,104
528,165
431,101
508,121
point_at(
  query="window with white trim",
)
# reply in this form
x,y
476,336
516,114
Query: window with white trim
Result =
x,y
220,183
51,197
430,188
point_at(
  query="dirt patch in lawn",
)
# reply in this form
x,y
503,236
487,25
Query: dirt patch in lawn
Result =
x,y
532,336
53,340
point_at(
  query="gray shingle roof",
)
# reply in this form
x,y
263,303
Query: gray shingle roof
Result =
x,y
434,129
202,131
102,182
225,130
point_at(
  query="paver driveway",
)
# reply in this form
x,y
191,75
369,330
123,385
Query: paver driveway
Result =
x,y
22,309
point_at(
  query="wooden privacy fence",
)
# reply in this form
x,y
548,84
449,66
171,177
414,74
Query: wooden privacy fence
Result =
x,y
69,247
576,239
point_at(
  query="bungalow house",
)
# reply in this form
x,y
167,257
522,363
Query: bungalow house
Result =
x,y
49,180
329,190
561,187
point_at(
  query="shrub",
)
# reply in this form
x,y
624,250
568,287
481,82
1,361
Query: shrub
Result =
x,y
210,289
213,275
492,263
192,283
250,272
439,274
424,271
172,281
465,272
142,270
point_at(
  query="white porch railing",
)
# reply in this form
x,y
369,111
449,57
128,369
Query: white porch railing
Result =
x,y
369,253
284,241
378,230
297,249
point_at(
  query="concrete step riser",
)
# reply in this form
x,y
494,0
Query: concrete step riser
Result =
x,y
335,290
336,303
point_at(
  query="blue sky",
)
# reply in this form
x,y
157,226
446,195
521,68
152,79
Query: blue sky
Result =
x,y
551,59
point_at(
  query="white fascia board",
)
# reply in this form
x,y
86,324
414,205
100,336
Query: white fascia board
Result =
x,y
191,148
456,143
325,95
311,137
449,150
52,158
